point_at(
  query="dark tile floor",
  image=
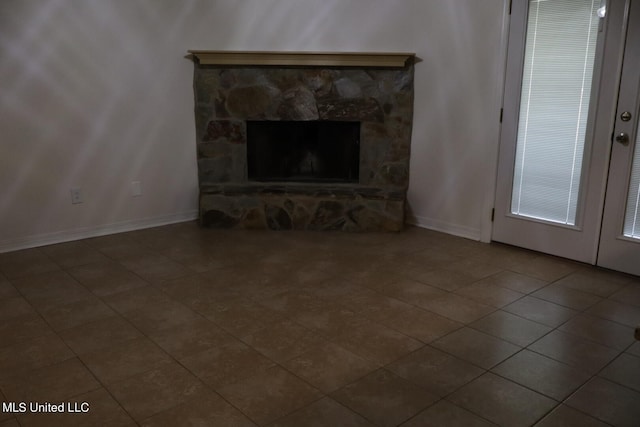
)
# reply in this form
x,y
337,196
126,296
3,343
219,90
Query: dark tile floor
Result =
x,y
178,325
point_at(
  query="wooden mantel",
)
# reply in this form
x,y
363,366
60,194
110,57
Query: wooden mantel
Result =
x,y
329,59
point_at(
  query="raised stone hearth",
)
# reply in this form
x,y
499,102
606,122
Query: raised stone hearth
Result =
x,y
233,88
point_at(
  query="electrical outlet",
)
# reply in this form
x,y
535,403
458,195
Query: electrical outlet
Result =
x,y
76,196
136,188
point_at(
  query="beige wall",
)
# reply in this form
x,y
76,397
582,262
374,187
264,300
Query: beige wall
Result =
x,y
98,93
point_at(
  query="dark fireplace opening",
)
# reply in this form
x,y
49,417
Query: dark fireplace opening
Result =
x,y
303,151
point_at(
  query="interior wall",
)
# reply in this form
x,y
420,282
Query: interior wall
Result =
x,y
98,93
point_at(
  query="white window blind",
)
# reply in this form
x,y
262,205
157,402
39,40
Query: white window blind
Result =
x,y
632,214
554,106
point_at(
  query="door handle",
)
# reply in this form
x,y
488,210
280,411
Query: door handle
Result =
x,y
622,138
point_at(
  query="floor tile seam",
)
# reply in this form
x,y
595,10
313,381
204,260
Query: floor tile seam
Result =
x,y
152,251
610,320
567,402
492,371
423,342
147,418
82,264
458,359
402,302
588,313
598,374
628,352
610,299
611,380
475,328
444,399
226,328
51,330
361,354
22,374
101,385
142,308
547,281
477,414
500,307
309,330
573,315
593,341
531,295
476,278
274,422
448,293
576,368
375,367
467,323
524,294
437,287
114,261
579,368
546,414
473,363
37,313
584,291
154,286
262,371
551,409
331,396
106,386
84,355
328,394
545,298
381,294
38,249
121,315
144,336
102,297
120,259
212,387
384,327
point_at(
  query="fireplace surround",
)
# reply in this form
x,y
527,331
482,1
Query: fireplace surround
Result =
x,y
234,91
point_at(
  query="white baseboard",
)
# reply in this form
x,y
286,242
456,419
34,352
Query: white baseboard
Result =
x,y
86,232
445,227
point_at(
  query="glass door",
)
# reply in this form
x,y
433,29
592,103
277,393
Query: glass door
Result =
x,y
560,95
620,240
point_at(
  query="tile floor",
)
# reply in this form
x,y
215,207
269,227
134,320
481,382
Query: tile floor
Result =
x,y
178,325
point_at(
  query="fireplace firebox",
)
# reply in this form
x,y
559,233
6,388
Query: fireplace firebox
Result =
x,y
303,151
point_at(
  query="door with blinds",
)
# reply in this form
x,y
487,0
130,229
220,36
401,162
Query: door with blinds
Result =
x,y
563,74
620,238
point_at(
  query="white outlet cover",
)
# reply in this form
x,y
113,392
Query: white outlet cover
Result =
x,y
76,196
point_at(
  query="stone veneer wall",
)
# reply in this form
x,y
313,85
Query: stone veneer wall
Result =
x,y
381,99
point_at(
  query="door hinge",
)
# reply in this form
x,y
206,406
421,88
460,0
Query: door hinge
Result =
x,y
493,214
501,112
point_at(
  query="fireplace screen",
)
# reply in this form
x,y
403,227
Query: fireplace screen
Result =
x,y
303,151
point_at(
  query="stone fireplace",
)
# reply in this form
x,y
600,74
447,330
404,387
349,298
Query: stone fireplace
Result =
x,y
309,141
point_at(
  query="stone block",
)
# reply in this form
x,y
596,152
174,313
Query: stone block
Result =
x,y
277,218
230,131
351,109
298,103
253,102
